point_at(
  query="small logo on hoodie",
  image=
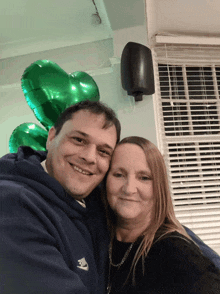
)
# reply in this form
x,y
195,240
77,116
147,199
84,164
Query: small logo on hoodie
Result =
x,y
83,264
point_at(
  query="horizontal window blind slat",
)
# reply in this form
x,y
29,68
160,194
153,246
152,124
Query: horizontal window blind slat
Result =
x,y
172,126
190,62
202,187
188,180
194,87
183,204
197,167
197,153
195,178
211,242
182,118
185,161
185,120
178,99
182,173
198,208
186,191
201,225
188,196
199,217
185,131
201,183
212,237
180,149
211,221
208,139
209,231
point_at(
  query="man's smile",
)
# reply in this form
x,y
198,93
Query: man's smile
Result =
x,y
78,169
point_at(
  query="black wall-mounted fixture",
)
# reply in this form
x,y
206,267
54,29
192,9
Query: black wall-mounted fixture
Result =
x,y
137,76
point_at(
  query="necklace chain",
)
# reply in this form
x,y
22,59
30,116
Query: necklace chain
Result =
x,y
124,257
116,265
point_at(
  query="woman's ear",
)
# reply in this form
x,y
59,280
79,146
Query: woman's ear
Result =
x,y
51,136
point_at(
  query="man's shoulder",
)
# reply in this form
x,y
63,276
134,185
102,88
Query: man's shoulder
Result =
x,y
26,157
15,192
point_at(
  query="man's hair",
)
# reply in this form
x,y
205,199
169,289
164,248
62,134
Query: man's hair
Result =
x,y
94,107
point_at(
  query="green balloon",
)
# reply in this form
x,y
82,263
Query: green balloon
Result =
x,y
28,134
49,90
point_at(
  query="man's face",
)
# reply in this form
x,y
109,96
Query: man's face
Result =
x,y
79,156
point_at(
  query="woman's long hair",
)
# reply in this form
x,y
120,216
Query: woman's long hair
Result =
x,y
164,220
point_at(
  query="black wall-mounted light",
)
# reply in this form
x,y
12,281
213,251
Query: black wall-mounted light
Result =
x,y
137,76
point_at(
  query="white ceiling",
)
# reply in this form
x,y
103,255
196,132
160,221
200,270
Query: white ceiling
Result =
x,y
187,17
26,24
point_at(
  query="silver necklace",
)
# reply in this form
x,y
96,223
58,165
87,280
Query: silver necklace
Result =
x,y
124,257
116,265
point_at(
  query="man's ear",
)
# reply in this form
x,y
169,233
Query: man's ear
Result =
x,y
51,136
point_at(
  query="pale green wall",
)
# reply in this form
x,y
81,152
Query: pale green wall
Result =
x,y
96,59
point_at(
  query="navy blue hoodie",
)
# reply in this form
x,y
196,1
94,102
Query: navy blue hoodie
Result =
x,y
49,243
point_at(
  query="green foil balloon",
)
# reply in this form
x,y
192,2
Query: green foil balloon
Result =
x,y
28,134
49,90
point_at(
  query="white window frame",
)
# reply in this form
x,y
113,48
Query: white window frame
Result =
x,y
200,212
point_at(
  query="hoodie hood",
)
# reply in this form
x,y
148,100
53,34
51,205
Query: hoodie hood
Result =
x,y
25,167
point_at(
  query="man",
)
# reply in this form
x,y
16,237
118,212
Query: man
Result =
x,y
53,234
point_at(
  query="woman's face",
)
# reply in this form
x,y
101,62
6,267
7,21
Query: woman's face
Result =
x,y
129,184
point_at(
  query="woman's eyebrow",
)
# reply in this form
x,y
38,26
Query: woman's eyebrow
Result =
x,y
145,172
121,169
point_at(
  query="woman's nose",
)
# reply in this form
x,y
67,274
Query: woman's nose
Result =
x,y
130,186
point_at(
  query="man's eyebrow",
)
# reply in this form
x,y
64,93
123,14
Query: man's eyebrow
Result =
x,y
107,146
86,135
81,133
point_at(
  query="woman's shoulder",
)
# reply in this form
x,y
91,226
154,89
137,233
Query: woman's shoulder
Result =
x,y
174,239
177,246
178,251
176,262
182,254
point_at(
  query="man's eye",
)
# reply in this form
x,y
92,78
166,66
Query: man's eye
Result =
x,y
77,139
104,152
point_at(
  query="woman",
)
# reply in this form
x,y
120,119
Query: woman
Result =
x,y
150,252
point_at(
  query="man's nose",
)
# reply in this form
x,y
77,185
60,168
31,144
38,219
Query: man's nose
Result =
x,y
130,186
89,154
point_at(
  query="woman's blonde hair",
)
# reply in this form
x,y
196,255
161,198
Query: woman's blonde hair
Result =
x,y
164,220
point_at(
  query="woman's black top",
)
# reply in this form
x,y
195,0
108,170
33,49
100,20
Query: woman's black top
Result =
x,y
174,265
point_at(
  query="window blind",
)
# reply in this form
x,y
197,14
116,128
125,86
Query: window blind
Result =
x,y
187,106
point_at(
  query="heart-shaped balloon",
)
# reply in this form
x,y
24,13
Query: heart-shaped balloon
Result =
x,y
49,90
28,134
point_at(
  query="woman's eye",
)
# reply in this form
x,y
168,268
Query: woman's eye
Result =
x,y
145,178
118,175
